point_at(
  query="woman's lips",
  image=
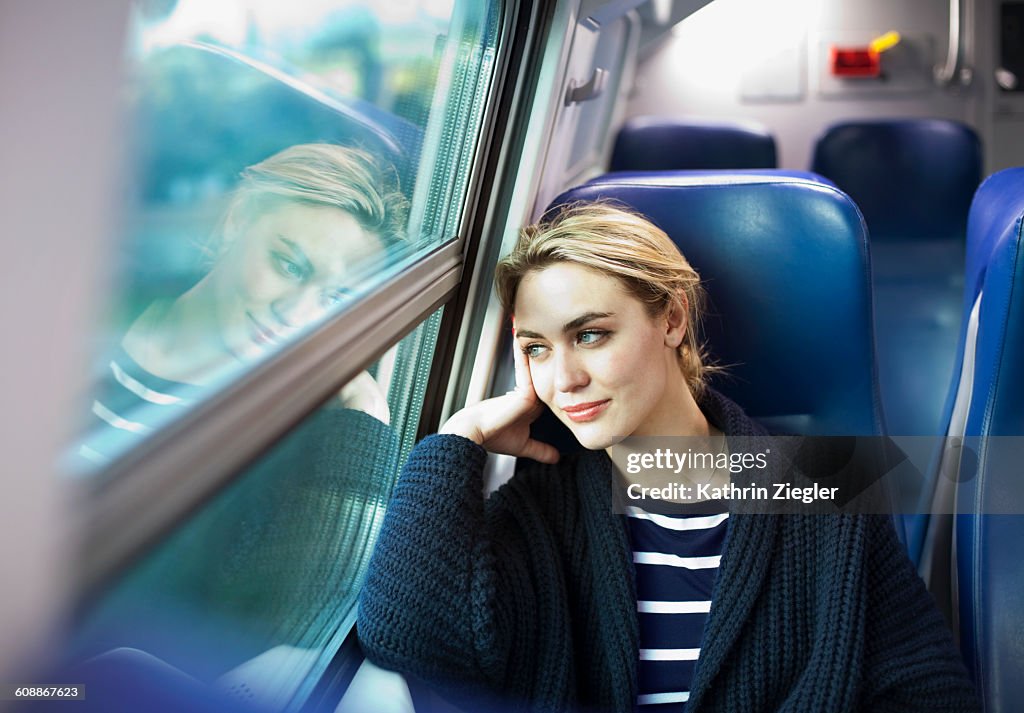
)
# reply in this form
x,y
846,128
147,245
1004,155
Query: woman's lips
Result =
x,y
579,413
261,334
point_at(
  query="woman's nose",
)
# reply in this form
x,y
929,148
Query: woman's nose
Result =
x,y
299,307
570,373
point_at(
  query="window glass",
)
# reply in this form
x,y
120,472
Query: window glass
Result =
x,y
255,593
284,159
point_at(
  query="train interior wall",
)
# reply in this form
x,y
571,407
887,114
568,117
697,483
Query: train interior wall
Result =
x,y
766,62
59,140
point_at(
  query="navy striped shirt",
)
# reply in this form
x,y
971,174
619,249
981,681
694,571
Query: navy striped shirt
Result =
x,y
676,561
129,404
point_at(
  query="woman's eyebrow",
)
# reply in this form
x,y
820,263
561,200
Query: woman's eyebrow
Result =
x,y
568,327
527,334
584,318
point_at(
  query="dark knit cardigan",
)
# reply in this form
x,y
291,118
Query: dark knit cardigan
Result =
x,y
529,596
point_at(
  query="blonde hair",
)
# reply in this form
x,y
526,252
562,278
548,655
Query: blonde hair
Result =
x,y
622,244
341,177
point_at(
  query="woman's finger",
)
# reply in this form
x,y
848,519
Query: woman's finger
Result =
x,y
523,381
540,452
514,406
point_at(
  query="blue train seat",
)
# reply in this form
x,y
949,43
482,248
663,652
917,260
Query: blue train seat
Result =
x,y
651,143
990,493
725,174
784,260
913,179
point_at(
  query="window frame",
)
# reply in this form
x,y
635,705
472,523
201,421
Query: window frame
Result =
x,y
159,484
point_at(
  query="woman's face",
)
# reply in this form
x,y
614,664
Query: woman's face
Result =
x,y
605,367
283,270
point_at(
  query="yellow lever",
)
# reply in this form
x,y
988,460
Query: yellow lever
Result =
x,y
885,42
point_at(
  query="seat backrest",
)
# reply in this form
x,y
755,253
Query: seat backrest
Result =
x,y
784,261
990,572
912,178
651,143
722,173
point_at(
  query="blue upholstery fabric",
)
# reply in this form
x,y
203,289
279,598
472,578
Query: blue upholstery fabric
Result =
x,y
784,261
917,289
912,178
651,143
723,173
988,547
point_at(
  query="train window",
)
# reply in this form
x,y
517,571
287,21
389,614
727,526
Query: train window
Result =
x,y
255,593
284,161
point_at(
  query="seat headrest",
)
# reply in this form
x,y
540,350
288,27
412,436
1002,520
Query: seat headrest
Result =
x,y
721,173
784,261
651,143
994,217
912,178
995,266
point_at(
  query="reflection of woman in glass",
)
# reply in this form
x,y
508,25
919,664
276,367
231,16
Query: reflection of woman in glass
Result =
x,y
274,560
301,229
544,599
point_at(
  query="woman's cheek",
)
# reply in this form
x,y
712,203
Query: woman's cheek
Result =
x,y
259,282
540,375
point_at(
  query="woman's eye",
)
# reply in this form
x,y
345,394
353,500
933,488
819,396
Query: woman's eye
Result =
x,y
590,336
333,298
288,267
533,350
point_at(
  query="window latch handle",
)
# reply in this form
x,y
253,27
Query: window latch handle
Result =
x,y
585,92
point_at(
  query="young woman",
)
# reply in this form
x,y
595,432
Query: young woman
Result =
x,y
302,229
541,598
280,549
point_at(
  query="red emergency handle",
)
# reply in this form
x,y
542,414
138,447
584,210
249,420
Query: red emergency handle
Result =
x,y
855,62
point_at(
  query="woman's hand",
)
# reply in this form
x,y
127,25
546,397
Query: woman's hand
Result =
x,y
502,424
364,394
